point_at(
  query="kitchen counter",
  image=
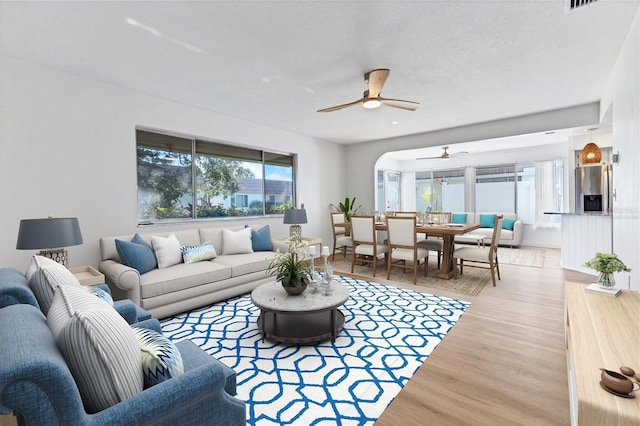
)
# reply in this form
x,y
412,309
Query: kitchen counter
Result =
x,y
584,235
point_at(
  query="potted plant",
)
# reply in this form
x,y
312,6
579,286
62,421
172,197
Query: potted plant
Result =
x,y
606,264
347,208
291,267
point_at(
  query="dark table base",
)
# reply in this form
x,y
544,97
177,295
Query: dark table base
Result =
x,y
300,327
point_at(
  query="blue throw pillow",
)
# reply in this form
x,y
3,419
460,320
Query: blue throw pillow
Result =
x,y
508,224
261,239
137,254
459,218
487,220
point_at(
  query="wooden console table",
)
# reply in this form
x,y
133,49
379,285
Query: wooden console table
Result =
x,y
601,332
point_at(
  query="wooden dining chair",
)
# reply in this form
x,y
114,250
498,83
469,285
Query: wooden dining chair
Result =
x,y
483,255
405,214
403,246
365,246
341,240
435,243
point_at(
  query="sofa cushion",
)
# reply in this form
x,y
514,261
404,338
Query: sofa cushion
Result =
x,y
198,253
45,281
236,242
508,224
182,276
242,264
459,218
487,220
136,254
261,239
167,250
161,360
99,346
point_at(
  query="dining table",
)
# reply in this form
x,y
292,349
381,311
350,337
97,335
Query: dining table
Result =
x,y
446,231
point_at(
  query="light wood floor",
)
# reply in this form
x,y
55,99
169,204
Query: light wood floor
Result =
x,y
504,361
502,364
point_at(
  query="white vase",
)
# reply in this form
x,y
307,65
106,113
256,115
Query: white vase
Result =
x,y
606,280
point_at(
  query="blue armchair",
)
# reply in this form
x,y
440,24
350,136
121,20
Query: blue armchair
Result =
x,y
37,386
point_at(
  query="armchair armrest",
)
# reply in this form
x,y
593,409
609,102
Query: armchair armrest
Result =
x,y
518,231
14,288
123,281
196,397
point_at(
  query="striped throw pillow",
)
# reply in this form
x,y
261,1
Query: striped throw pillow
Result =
x,y
99,346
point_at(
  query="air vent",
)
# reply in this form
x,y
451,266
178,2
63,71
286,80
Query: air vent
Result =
x,y
570,5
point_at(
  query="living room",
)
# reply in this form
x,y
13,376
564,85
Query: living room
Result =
x,y
68,148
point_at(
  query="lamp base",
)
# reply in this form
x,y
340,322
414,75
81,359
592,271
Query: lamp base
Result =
x,y
295,231
58,255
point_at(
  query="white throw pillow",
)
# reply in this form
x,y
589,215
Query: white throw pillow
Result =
x,y
236,242
99,346
36,263
46,279
167,250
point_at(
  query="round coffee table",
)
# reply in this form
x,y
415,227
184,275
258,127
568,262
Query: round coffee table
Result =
x,y
304,319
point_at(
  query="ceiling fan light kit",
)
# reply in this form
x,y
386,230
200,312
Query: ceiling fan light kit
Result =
x,y
371,99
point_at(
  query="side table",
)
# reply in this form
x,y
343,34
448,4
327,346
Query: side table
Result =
x,y
87,275
311,241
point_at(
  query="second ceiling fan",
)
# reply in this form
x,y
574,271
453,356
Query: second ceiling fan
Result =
x,y
371,98
445,155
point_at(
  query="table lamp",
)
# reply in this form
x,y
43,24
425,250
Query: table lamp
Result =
x,y
50,234
295,217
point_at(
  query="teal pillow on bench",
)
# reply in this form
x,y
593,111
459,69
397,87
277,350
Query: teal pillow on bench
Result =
x,y
459,218
508,224
487,220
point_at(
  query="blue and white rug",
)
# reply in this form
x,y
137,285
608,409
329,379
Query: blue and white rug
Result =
x,y
388,333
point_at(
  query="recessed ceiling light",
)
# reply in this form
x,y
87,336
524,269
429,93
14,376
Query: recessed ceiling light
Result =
x,y
394,122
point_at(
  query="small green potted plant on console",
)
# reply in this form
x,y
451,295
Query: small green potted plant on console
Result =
x,y
606,264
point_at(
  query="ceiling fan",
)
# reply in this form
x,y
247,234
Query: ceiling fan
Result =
x,y
371,98
445,155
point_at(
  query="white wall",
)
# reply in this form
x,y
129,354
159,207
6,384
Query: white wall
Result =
x,y
621,105
67,148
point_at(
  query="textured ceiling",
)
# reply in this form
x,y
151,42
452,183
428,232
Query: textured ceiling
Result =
x,y
277,62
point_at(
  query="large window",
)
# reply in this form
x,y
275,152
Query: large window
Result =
x,y
189,178
440,190
526,189
495,189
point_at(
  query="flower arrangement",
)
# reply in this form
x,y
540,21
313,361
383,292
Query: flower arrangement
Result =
x,y
607,263
291,266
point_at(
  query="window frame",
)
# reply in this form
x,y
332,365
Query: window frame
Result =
x,y
231,151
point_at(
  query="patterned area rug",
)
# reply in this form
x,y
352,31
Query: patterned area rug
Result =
x,y
471,283
388,333
522,256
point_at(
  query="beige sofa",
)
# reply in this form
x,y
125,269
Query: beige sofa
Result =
x,y
182,287
510,238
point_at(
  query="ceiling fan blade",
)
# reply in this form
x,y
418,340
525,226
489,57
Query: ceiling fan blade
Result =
x,y
459,153
397,103
337,107
439,157
376,80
